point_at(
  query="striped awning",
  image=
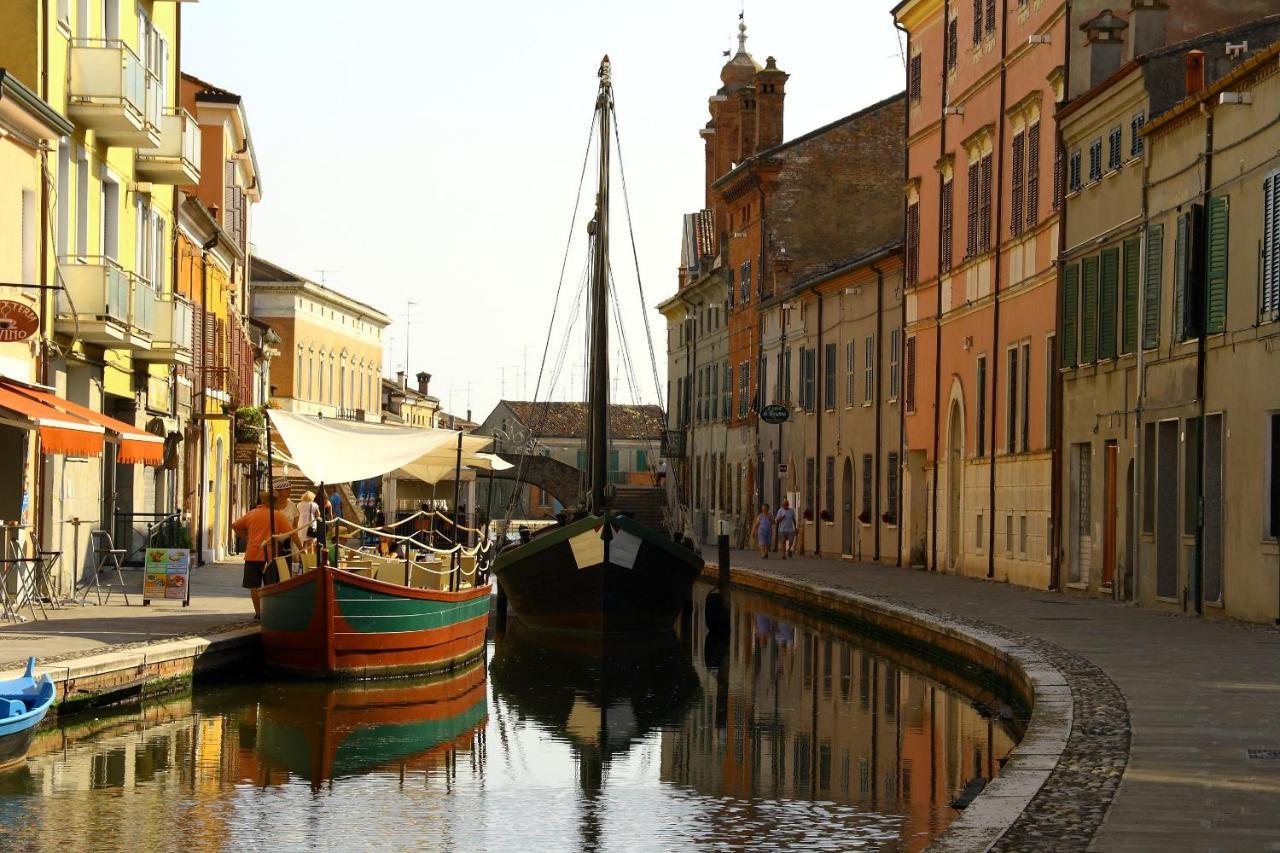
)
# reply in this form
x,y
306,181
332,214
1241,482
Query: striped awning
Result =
x,y
60,433
133,445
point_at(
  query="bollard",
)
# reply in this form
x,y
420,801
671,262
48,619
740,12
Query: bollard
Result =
x,y
717,605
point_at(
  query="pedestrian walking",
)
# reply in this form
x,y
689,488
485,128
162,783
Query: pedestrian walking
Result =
x,y
660,476
256,526
786,520
763,530
308,520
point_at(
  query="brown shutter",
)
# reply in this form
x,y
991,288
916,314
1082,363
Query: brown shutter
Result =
x,y
910,391
948,224
984,212
1019,176
1033,175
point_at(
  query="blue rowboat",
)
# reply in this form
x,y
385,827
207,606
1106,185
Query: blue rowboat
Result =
x,y
23,704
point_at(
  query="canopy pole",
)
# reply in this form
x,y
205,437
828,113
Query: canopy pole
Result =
x,y
455,578
322,559
271,503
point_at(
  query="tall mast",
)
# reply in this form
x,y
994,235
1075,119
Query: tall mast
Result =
x,y
598,387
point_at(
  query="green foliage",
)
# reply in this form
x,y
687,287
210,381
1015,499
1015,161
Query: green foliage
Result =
x,y
250,423
175,535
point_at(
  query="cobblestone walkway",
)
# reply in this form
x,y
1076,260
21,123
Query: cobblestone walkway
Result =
x,y
1189,698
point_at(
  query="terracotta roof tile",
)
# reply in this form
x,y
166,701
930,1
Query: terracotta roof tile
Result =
x,y
570,419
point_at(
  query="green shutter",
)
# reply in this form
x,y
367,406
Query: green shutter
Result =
x,y
1129,298
1216,266
1089,307
1107,303
1070,307
642,460
1180,276
1151,287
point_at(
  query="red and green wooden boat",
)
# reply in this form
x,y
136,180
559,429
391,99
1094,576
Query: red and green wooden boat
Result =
x,y
332,623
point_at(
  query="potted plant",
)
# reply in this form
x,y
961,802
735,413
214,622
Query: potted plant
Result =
x,y
864,517
889,518
249,424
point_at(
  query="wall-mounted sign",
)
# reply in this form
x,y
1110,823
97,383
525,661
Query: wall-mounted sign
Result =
x,y
17,321
782,467
244,452
775,413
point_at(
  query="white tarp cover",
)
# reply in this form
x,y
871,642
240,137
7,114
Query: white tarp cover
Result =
x,y
330,450
441,463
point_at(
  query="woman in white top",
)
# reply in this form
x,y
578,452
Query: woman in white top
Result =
x,y
308,512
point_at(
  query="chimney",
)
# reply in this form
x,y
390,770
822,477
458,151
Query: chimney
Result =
x,y
1104,43
1148,25
771,84
424,380
1195,71
400,379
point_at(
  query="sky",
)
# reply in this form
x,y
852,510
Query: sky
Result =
x,y
430,152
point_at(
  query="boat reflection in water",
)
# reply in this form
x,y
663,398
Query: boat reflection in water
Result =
x,y
323,731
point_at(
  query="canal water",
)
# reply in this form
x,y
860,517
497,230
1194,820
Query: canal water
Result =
x,y
790,734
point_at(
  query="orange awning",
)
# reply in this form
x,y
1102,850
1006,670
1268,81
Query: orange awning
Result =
x,y
134,445
59,432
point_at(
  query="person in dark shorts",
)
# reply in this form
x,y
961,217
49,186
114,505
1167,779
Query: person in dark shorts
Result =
x,y
256,525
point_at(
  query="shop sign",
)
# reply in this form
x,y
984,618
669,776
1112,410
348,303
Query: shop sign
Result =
x,y
775,413
167,574
244,452
17,321
782,467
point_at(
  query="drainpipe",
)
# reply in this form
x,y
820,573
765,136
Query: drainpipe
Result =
x,y
997,188
761,279
42,364
879,404
1197,581
204,389
1055,425
819,361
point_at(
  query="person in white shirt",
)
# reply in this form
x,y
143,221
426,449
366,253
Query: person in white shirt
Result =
x,y
308,514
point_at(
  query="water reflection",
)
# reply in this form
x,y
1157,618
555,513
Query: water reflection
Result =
x,y
789,735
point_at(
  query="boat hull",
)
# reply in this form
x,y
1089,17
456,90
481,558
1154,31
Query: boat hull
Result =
x,y
572,579
331,623
26,700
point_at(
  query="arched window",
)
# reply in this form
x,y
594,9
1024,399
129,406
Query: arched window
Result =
x,y
297,375
320,396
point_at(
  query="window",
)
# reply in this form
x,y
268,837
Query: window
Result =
x,y
158,246
980,437
1033,175
1095,160
1089,310
1129,296
1113,149
1186,277
808,362
829,377
731,288
829,494
1270,307
1107,293
702,390
913,82
977,22
1149,478
978,538
777,379
869,365
891,488
714,392
810,483
786,374
1216,248
727,391
1022,536
1011,416
953,42
1073,172
744,378
971,232
848,373
1025,419
82,202
745,276
1050,398
895,336
1151,287
1190,469
984,227
1057,176
910,391
1008,535
63,201
1019,181
297,383
991,17
109,234
948,224
912,260
1135,133
868,489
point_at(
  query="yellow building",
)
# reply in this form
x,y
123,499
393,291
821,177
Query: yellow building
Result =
x,y
110,68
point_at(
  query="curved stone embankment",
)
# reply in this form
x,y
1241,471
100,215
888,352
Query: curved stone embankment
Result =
x,y
1059,781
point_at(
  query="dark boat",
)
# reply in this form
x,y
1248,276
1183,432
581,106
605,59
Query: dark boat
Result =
x,y
330,622
606,572
323,732
23,703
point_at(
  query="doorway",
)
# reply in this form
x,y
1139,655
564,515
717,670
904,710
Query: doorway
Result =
x,y
1111,451
955,459
216,542
846,517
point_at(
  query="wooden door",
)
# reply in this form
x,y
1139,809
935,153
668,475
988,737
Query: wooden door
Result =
x,y
1109,517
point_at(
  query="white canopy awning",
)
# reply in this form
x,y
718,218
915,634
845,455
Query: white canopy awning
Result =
x,y
330,450
441,463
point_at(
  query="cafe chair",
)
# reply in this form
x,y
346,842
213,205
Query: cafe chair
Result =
x,y
106,558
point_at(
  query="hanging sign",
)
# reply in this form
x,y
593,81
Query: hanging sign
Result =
x,y
244,452
167,574
17,321
775,413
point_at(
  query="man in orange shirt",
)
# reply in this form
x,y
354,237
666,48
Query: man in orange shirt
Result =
x,y
256,527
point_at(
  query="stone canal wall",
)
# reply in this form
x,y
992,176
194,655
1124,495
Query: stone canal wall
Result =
x,y
991,821
122,673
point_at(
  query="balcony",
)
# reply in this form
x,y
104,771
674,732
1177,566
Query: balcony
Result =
x,y
171,329
176,160
105,305
113,93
